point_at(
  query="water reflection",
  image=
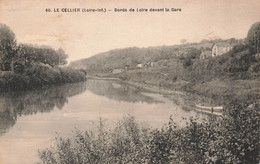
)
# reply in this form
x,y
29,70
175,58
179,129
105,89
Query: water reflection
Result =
x,y
29,120
15,104
119,91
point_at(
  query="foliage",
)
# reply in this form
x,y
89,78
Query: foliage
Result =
x,y
253,35
126,143
69,75
183,41
7,47
240,63
119,58
240,130
39,75
17,57
46,55
32,66
231,139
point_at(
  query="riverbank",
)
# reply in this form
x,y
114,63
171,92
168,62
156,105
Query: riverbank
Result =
x,y
39,76
151,88
235,73
187,100
211,94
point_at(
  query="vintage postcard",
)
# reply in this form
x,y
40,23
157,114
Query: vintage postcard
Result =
x,y
152,81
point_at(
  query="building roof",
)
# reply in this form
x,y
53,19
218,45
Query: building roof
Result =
x,y
222,44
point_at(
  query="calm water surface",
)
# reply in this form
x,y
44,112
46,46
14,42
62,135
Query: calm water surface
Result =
x,y
30,120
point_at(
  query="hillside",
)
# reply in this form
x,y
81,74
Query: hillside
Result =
x,y
131,57
180,68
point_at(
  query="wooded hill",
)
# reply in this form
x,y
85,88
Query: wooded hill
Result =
x,y
119,58
178,61
179,67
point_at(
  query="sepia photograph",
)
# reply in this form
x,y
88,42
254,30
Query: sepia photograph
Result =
x,y
129,82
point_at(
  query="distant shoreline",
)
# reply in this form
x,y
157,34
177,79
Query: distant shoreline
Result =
x,y
159,91
145,86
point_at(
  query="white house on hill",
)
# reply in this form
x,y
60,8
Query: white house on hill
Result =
x,y
220,48
216,50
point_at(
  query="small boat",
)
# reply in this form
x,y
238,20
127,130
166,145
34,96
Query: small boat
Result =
x,y
213,110
210,107
209,112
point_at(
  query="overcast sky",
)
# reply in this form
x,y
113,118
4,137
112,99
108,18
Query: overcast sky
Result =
x,y
82,35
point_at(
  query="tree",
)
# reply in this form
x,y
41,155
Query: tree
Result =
x,y
183,41
62,56
232,41
30,54
7,47
253,36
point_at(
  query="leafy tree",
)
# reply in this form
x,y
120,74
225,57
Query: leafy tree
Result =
x,y
253,35
29,54
18,66
232,41
62,56
7,47
183,41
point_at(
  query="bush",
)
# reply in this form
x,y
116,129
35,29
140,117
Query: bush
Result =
x,y
12,81
70,75
126,143
39,75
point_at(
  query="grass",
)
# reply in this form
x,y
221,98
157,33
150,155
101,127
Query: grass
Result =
x,y
219,90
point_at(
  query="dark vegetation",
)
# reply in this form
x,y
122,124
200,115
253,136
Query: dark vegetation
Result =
x,y
26,66
234,138
253,36
130,57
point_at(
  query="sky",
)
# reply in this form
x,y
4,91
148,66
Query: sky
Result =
x,y
82,35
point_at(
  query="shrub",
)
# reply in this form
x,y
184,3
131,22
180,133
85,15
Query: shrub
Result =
x,y
39,75
70,75
12,81
126,143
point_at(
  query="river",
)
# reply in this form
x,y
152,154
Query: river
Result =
x,y
29,120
